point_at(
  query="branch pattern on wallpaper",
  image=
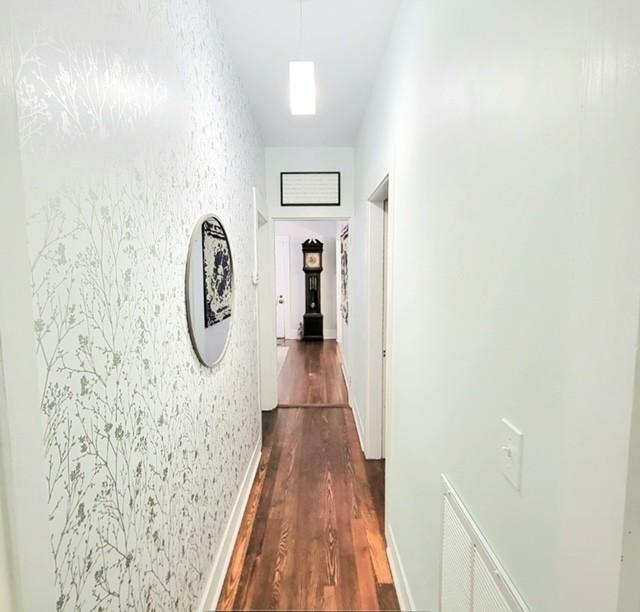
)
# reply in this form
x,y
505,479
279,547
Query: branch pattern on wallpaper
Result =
x,y
145,448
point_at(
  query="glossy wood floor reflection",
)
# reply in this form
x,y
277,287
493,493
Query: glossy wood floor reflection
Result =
x,y
312,537
312,375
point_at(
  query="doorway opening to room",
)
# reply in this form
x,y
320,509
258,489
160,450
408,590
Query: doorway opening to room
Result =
x,y
379,331
310,312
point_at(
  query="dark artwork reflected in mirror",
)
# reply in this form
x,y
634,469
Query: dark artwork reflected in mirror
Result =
x,y
216,272
209,289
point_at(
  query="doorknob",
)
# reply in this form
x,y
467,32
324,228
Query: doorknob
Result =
x,y
280,300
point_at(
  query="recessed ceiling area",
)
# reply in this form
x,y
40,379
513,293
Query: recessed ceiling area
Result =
x,y
345,38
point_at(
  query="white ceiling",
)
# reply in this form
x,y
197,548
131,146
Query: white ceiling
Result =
x,y
346,40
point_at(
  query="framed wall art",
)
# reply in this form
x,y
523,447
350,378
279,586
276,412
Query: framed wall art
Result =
x,y
209,289
310,189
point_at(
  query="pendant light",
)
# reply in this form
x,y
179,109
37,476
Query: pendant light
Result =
x,y
302,82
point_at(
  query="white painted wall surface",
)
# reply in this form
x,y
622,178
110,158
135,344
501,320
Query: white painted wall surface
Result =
x,y
309,159
298,232
24,518
511,133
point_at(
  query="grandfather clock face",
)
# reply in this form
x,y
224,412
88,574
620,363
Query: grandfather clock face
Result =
x,y
312,261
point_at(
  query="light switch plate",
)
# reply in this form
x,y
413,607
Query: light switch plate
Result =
x,y
511,453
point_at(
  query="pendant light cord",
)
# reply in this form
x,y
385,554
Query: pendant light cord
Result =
x,y
300,31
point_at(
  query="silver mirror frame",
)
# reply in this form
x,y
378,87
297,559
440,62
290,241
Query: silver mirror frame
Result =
x,y
196,236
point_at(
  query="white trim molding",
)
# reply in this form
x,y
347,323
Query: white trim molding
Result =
x,y
218,571
405,599
358,421
345,371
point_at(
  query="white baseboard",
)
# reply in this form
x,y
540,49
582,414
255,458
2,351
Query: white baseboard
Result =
x,y
218,571
345,370
399,577
347,378
358,421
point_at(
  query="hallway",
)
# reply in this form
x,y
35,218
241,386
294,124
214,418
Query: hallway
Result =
x,y
313,533
441,198
312,376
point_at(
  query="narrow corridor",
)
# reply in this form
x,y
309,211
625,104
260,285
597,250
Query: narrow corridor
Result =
x,y
313,533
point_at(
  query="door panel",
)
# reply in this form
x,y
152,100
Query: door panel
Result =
x,y
282,285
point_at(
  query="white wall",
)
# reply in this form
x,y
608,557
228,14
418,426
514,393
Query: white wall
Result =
x,y
510,131
132,126
24,517
309,159
298,232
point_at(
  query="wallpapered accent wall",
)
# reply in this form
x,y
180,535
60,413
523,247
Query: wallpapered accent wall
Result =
x,y
133,125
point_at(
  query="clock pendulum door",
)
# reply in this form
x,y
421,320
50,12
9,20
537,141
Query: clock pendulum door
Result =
x,y
313,321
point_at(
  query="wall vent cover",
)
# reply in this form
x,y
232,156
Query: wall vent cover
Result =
x,y
473,580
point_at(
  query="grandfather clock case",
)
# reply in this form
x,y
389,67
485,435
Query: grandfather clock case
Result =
x,y
313,323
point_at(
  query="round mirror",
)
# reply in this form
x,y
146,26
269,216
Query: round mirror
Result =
x,y
209,289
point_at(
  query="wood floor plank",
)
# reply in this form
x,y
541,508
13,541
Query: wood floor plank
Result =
x,y
276,543
366,576
253,561
347,593
312,535
310,514
312,375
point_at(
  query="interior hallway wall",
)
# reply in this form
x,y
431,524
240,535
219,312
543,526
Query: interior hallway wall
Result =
x,y
298,232
132,126
510,132
309,159
24,527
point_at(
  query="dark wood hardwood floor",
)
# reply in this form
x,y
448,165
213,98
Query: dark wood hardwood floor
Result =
x,y
312,537
312,376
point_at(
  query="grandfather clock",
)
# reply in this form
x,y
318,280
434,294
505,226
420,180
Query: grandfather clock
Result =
x,y
313,326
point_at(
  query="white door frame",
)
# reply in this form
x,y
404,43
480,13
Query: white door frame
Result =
x,y
629,590
379,426
266,306
267,300
379,301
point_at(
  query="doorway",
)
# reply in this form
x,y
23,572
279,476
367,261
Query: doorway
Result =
x,y
379,255
307,307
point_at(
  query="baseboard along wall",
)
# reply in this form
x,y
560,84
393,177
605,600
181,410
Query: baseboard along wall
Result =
x,y
218,571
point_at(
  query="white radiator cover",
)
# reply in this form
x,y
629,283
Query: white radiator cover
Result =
x,y
473,580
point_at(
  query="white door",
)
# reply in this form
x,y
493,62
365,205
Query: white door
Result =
x,y
282,285
385,279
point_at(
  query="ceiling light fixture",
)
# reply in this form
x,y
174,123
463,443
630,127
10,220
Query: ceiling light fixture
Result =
x,y
302,82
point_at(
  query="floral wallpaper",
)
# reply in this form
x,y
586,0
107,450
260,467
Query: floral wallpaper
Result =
x,y
133,125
